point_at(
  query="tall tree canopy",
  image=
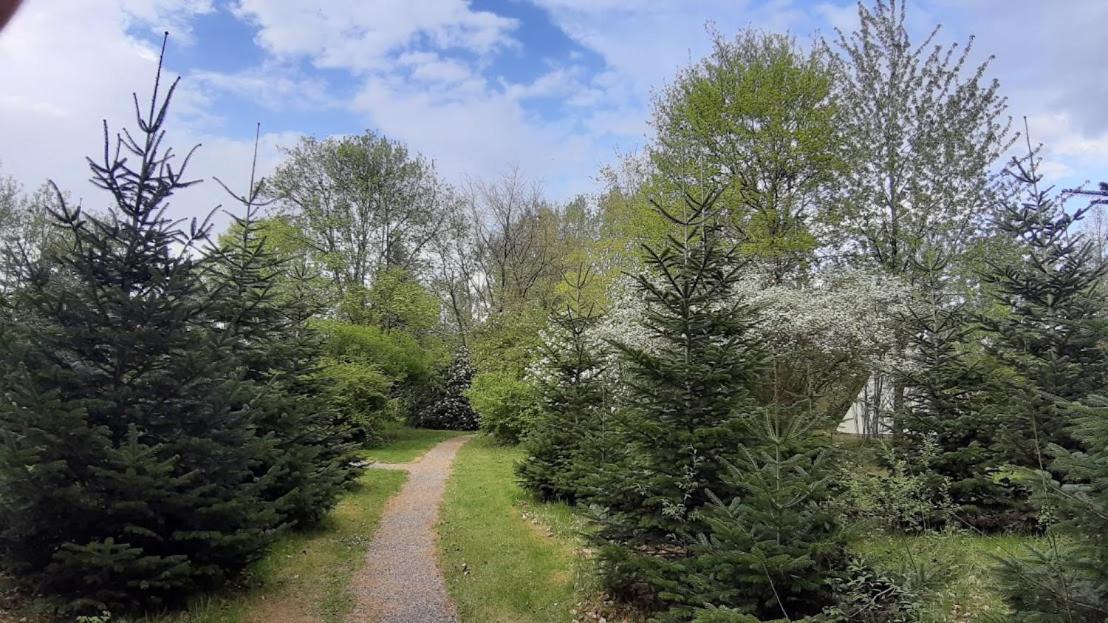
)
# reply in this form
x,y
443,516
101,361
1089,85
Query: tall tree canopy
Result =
x,y
362,203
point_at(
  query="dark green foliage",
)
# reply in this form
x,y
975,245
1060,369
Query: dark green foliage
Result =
x,y
1070,577
687,409
451,409
773,549
265,310
574,403
1043,330
949,420
712,614
133,469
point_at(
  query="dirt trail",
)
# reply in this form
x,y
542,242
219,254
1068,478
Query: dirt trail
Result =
x,y
401,581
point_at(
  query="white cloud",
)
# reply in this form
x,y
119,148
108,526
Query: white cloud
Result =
x,y
85,67
479,133
421,73
361,36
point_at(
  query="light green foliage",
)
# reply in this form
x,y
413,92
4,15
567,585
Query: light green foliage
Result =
x,y
503,396
376,377
397,302
890,494
507,404
755,118
359,392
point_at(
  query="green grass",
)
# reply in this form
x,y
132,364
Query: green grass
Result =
x,y
507,559
306,576
403,444
964,565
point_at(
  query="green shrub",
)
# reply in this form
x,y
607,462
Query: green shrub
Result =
x,y
866,595
393,366
712,614
359,394
890,495
506,405
398,355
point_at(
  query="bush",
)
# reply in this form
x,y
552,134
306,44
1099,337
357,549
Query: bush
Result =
x,y
390,373
449,408
890,495
359,393
506,404
505,401
866,595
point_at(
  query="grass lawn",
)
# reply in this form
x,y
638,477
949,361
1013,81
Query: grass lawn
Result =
x,y
507,559
403,444
964,567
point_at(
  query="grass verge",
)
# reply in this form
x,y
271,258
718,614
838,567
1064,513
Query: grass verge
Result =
x,y
306,576
507,559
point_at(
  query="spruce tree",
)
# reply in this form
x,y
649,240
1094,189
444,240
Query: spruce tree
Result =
x,y
131,469
574,397
1043,329
688,400
451,409
265,309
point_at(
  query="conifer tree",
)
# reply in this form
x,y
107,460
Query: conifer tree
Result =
x,y
574,401
948,425
772,550
265,310
452,410
689,399
1068,580
1044,328
131,470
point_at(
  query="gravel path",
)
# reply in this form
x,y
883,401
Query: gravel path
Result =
x,y
401,581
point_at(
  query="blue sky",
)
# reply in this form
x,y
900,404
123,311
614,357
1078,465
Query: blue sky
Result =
x,y
557,88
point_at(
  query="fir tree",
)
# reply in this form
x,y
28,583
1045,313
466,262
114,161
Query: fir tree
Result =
x,y
1068,580
574,400
1043,328
265,310
773,550
131,470
451,409
947,409
688,402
